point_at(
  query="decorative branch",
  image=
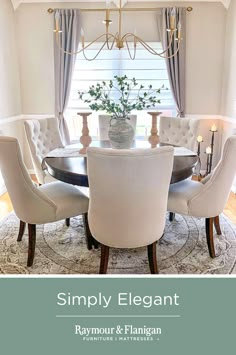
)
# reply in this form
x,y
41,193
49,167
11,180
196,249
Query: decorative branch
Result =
x,y
99,97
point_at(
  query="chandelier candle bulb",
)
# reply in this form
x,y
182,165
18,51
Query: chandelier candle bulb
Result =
x,y
57,29
107,15
82,37
172,20
179,30
135,35
57,25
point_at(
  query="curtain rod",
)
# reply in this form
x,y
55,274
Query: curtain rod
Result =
x,y
189,9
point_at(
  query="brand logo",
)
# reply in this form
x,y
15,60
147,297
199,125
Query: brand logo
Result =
x,y
125,332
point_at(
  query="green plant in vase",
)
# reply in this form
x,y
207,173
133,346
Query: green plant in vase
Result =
x,y
118,98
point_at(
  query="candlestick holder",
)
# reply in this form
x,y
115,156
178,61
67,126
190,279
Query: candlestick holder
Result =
x,y
197,169
209,152
154,137
213,130
208,170
85,138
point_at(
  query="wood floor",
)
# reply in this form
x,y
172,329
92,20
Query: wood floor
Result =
x,y
230,209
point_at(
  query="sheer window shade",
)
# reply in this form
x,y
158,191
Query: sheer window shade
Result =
x,y
146,68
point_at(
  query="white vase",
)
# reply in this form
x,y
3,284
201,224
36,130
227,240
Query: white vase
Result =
x,y
121,133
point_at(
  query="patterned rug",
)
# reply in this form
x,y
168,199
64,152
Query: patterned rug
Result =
x,y
62,250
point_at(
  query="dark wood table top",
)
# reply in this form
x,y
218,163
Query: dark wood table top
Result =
x,y
73,170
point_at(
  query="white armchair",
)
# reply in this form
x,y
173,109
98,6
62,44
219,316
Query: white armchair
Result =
x,y
128,198
207,199
104,122
43,135
36,205
179,131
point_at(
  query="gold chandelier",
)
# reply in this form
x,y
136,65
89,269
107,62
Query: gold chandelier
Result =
x,y
119,40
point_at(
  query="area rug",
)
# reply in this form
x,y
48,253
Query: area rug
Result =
x,y
62,250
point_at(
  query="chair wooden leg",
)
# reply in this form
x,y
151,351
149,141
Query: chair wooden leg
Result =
x,y
217,225
68,222
152,258
32,242
209,236
104,259
90,240
21,231
171,216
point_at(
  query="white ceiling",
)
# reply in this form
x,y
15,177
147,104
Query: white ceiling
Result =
x,y
16,3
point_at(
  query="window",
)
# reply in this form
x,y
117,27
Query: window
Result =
x,y
146,68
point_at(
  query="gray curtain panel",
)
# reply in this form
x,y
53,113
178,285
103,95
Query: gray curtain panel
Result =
x,y
176,64
69,22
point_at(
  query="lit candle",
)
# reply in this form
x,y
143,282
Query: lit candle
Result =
x,y
213,128
172,19
82,37
179,30
208,150
199,139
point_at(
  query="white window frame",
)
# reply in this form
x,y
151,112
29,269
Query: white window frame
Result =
x,y
117,62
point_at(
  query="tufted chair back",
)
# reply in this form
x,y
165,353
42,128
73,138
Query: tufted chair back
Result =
x,y
29,203
212,198
43,136
179,131
104,124
128,194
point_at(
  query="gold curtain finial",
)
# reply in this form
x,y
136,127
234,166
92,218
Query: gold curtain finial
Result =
x,y
50,11
189,8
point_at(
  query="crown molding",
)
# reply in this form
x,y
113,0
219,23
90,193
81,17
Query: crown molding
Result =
x,y
16,3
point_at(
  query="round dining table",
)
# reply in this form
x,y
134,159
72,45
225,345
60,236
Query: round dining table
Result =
x,y
73,170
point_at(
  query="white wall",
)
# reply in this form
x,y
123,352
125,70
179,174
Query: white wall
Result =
x,y
229,79
228,107
10,102
205,44
204,61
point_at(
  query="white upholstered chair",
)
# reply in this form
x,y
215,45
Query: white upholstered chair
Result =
x,y
207,199
128,198
36,205
43,135
179,131
104,123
